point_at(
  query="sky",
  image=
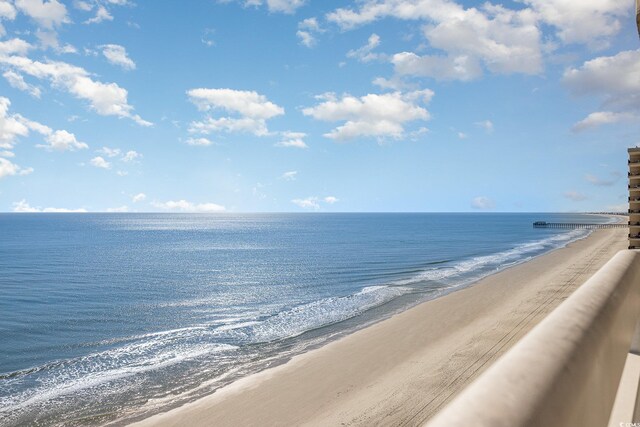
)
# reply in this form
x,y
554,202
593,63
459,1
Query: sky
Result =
x,y
317,106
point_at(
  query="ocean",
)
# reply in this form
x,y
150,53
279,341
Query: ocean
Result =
x,y
107,318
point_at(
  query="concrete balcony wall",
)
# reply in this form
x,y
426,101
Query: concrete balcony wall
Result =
x,y
566,371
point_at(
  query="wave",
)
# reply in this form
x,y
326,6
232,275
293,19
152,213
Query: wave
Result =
x,y
124,359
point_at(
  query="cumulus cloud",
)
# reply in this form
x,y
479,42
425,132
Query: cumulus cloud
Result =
x,y
120,209
15,46
185,206
8,168
487,125
17,81
574,196
12,126
582,21
102,14
292,140
331,200
48,14
308,203
314,202
489,37
281,6
307,31
483,203
106,99
117,55
7,12
15,126
372,115
110,152
573,21
458,67
138,197
599,118
603,182
249,111
100,162
202,142
366,53
131,156
615,80
61,140
24,207
289,176
49,40
502,40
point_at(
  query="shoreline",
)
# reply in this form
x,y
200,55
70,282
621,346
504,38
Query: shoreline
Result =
x,y
397,370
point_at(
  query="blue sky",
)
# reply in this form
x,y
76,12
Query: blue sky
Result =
x,y
294,105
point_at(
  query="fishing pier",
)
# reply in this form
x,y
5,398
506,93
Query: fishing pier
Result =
x,y
544,224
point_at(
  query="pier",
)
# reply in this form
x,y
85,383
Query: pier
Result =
x,y
544,224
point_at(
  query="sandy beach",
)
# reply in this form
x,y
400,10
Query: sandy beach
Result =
x,y
402,370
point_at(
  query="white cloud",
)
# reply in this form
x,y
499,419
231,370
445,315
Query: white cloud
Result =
x,y
123,208
49,40
307,30
15,126
8,169
314,202
461,67
202,142
48,14
487,125
575,196
289,176
282,6
106,99
7,11
372,115
100,162
585,21
292,140
616,79
600,118
117,55
110,152
615,176
250,111
246,103
185,206
131,156
15,46
504,41
482,203
82,5
138,197
24,207
306,38
102,14
12,126
308,203
61,140
331,200
17,81
365,53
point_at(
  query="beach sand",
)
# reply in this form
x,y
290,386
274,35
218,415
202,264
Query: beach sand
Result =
x,y
402,370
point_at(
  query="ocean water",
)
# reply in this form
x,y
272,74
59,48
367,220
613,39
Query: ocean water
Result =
x,y
106,318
